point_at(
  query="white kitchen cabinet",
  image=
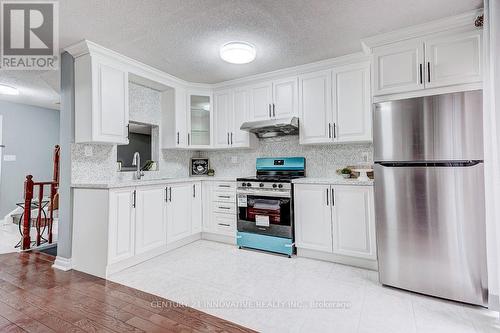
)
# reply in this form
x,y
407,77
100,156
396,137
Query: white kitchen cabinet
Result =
x,y
277,99
285,98
313,217
335,105
261,97
315,100
101,101
241,109
174,118
150,218
398,67
230,111
196,209
220,208
453,59
199,120
121,225
434,61
179,205
336,219
223,111
354,221
352,103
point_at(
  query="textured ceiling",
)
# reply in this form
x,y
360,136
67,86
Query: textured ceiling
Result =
x,y
182,37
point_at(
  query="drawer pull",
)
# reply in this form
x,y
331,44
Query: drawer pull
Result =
x,y
225,186
224,207
224,196
224,224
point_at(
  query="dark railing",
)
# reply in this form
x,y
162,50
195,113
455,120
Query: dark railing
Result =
x,y
34,200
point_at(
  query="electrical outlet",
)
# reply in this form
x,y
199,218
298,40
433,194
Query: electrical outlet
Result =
x,y
234,159
88,151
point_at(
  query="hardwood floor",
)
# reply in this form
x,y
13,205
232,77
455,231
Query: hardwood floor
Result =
x,y
36,298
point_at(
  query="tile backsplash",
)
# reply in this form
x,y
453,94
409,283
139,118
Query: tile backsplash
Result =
x,y
321,160
145,107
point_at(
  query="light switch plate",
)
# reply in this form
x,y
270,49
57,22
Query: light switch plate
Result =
x,y
88,151
9,158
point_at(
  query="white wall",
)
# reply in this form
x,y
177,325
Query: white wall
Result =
x,y
30,133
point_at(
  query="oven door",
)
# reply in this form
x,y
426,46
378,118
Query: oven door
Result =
x,y
265,213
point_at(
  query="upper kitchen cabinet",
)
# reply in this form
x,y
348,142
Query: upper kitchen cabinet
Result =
x,y
199,119
101,100
277,99
174,118
398,67
230,111
453,59
334,105
439,57
352,103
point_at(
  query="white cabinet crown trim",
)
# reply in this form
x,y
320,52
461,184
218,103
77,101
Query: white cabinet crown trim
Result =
x,y
448,23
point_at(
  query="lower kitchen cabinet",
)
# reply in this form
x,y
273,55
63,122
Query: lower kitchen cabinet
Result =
x,y
183,210
150,218
335,219
220,209
121,225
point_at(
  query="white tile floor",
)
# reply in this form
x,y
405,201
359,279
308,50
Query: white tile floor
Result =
x,y
204,272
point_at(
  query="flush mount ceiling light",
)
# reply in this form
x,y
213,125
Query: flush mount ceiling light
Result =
x,y
238,52
8,90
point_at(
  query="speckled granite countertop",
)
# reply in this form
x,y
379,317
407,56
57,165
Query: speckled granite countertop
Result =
x,y
333,181
145,182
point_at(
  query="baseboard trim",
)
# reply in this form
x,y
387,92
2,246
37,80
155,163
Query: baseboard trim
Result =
x,y
345,260
63,264
219,238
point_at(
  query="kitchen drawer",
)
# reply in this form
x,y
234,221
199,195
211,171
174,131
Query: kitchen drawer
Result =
x,y
221,196
224,186
224,207
225,224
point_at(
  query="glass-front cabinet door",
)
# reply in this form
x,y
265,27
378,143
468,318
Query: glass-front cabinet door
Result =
x,y
200,108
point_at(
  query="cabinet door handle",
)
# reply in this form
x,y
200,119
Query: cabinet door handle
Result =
x,y
133,198
166,194
269,110
421,74
170,194
188,140
227,137
333,198
334,130
329,130
194,190
274,110
428,71
327,200
224,224
128,130
177,137
231,138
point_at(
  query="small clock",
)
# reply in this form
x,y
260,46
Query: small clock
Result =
x,y
199,166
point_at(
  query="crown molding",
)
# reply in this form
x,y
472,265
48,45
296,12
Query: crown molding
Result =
x,y
296,70
449,23
134,67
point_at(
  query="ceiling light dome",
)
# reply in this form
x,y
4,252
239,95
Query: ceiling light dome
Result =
x,y
238,52
8,90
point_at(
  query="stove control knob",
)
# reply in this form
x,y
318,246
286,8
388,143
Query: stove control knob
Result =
x,y
261,185
280,186
244,184
248,184
274,185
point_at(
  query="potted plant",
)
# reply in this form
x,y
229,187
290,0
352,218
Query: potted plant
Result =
x,y
346,173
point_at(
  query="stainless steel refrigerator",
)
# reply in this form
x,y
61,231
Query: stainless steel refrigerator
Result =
x,y
429,195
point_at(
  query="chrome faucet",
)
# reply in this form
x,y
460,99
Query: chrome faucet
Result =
x,y
136,161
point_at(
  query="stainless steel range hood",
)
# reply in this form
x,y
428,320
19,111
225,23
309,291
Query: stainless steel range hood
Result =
x,y
272,127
